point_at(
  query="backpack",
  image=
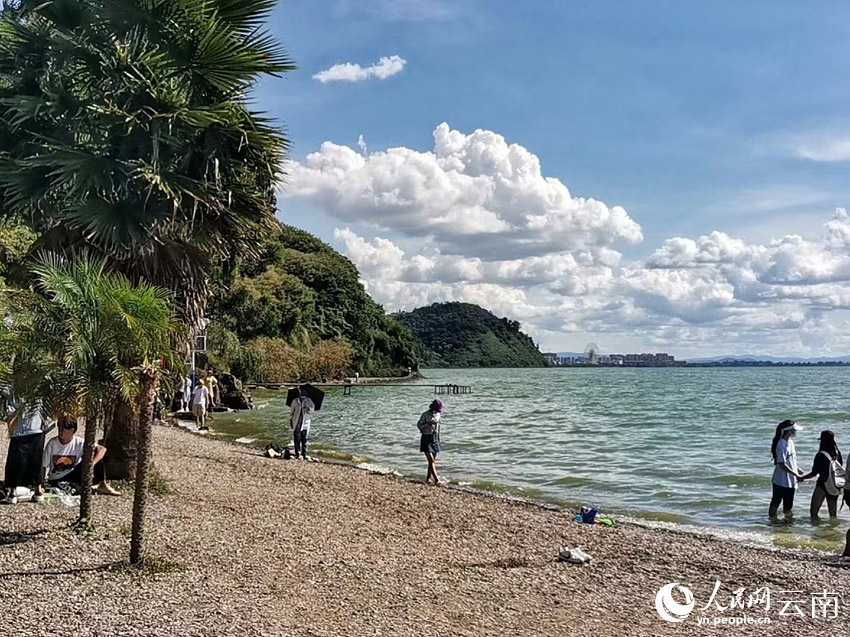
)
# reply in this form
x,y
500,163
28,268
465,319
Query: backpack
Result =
x,y
836,479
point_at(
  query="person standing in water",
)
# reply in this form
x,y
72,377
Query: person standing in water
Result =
x,y
300,417
786,474
821,468
429,441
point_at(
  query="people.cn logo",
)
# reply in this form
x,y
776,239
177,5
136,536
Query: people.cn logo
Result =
x,y
669,609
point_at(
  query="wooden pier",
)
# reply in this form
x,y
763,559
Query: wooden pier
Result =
x,y
442,390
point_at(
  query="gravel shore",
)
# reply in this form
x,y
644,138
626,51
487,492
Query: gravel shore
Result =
x,y
253,546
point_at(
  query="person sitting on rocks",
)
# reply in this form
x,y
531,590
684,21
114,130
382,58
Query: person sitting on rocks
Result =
x,y
63,461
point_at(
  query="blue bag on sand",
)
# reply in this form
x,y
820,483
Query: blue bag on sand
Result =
x,y
588,515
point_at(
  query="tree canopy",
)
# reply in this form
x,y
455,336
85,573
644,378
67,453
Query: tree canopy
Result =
x,y
302,292
125,132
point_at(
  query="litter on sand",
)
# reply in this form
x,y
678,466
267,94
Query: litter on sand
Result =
x,y
603,521
245,441
573,555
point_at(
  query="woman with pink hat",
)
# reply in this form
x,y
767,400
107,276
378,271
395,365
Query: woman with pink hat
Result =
x,y
429,441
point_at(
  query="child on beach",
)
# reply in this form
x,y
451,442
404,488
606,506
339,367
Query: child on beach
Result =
x,y
429,441
821,467
786,475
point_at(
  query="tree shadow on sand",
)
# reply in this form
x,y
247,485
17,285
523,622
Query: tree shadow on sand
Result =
x,y
71,571
19,537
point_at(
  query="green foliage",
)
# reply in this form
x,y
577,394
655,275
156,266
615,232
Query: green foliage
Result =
x,y
275,360
125,132
15,241
466,335
302,293
73,345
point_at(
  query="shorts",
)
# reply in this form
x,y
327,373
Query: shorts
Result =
x,y
199,410
429,443
830,498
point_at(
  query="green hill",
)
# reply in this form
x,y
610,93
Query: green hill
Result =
x,y
466,335
300,311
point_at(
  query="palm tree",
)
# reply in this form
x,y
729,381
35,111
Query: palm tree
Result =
x,y
74,344
125,133
148,380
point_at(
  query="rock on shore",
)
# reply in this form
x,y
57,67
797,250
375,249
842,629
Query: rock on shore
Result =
x,y
266,547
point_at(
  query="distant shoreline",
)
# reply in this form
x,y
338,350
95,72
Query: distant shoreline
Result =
x,y
717,364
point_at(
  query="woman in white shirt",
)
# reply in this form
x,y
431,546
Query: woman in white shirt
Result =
x,y
786,474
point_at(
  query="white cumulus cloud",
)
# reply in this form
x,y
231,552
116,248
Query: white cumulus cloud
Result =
x,y
348,72
475,218
474,195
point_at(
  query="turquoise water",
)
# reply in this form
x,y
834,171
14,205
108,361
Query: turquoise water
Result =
x,y
688,446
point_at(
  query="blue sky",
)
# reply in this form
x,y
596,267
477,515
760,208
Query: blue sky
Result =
x,y
694,117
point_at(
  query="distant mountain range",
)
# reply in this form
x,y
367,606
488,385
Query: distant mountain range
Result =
x,y
771,359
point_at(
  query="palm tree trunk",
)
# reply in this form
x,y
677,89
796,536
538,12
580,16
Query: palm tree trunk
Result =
x,y
90,440
120,438
147,395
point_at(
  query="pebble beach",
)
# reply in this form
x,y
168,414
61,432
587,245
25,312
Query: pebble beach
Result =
x,y
246,545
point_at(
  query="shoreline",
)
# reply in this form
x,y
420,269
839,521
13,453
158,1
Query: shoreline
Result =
x,y
643,519
251,545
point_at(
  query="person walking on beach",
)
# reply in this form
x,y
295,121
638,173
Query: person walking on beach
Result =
x,y
300,417
822,468
429,441
786,474
199,404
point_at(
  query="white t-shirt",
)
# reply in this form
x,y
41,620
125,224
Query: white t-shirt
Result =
x,y
61,459
786,454
201,396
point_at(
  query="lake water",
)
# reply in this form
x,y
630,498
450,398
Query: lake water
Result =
x,y
686,446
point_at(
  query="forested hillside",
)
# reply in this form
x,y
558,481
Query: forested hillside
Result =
x,y
300,311
466,335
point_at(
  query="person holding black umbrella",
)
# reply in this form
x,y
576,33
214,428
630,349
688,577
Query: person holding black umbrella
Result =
x,y
302,405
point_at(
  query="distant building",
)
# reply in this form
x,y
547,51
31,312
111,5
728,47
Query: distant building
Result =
x,y
551,358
